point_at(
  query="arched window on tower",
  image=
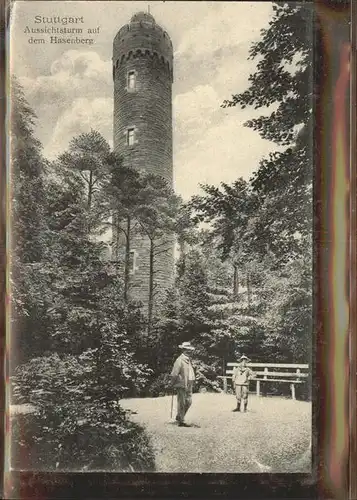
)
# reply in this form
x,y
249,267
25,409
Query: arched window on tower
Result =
x,y
131,80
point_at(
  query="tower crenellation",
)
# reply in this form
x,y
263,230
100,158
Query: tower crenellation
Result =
x,y
145,38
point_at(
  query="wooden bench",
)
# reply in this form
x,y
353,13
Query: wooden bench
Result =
x,y
271,372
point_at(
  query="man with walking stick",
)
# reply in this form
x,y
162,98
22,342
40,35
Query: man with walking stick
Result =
x,y
183,377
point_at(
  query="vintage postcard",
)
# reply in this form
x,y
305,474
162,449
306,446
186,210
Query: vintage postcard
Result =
x,y
161,180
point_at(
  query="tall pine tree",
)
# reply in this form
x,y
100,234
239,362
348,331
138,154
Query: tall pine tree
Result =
x,y
27,229
283,79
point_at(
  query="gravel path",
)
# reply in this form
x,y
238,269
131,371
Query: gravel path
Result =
x,y
273,436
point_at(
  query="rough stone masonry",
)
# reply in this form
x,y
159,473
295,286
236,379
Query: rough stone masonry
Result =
x,y
143,77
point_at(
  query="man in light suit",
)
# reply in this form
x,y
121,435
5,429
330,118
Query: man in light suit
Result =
x,y
240,381
183,377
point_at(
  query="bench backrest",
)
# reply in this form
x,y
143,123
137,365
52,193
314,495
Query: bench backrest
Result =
x,y
267,371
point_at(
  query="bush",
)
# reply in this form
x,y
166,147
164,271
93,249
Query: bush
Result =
x,y
205,377
105,440
160,386
78,422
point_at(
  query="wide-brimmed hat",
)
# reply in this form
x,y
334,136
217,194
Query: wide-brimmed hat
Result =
x,y
243,357
186,345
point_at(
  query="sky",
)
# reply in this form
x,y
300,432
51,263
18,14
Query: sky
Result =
x,y
70,87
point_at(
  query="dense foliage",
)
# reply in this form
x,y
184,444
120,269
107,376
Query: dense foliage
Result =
x,y
283,83
245,284
78,423
76,360
28,230
283,182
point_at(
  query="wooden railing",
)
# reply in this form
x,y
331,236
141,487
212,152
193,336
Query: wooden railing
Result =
x,y
272,372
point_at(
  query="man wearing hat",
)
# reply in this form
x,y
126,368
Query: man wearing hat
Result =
x,y
240,380
183,377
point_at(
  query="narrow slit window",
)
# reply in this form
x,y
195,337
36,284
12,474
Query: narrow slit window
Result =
x,y
131,80
130,136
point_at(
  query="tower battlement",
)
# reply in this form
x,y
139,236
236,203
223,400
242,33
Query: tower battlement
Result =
x,y
142,36
143,52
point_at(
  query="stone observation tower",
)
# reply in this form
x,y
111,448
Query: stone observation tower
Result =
x,y
143,76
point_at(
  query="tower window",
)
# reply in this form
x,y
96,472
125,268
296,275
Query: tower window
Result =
x,y
130,136
131,80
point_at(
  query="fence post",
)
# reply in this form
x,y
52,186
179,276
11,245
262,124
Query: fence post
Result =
x,y
258,388
292,387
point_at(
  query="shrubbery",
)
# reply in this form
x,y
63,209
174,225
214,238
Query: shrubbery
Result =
x,y
82,437
206,377
73,324
160,386
78,422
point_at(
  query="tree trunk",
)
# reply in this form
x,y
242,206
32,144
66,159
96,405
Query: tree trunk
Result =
x,y
90,190
151,286
182,267
90,193
235,281
127,261
249,291
183,249
117,241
